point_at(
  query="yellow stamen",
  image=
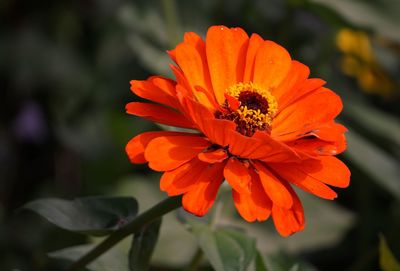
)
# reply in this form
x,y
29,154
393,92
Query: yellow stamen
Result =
x,y
251,115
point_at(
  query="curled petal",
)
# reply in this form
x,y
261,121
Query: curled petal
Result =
x,y
213,156
315,147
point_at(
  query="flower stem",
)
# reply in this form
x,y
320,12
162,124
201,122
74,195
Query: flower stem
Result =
x,y
153,213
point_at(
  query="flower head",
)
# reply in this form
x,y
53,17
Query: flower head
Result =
x,y
260,124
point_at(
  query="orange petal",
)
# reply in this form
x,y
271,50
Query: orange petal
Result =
x,y
278,151
243,146
289,221
182,82
195,40
196,111
292,173
225,50
304,115
302,89
237,175
260,147
169,152
297,74
217,130
213,156
232,102
331,131
194,66
254,205
181,179
274,187
202,195
172,54
156,89
315,147
136,146
327,169
254,43
158,114
271,65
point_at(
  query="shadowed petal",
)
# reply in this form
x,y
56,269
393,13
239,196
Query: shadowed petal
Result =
x,y
181,179
289,221
254,205
213,156
237,175
202,195
274,187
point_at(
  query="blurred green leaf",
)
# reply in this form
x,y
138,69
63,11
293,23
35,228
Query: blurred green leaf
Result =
x,y
111,260
380,15
374,121
387,260
143,245
260,265
90,215
226,249
382,167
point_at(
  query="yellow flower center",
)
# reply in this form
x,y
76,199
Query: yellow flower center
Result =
x,y
251,107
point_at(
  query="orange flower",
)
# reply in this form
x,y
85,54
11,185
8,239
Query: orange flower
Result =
x,y
259,123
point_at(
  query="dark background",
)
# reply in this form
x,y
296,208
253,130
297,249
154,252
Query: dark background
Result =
x,y
65,68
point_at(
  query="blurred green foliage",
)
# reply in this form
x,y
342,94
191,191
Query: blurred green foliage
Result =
x,y
65,68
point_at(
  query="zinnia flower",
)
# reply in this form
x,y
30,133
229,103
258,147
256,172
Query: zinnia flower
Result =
x,y
259,123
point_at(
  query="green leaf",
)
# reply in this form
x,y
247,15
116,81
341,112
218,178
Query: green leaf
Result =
x,y
143,245
226,249
387,260
90,215
111,260
260,265
380,15
376,122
